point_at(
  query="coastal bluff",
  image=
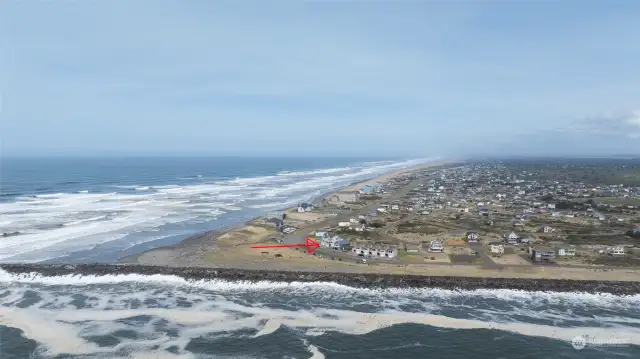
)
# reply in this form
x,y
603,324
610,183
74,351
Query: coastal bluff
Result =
x,y
358,280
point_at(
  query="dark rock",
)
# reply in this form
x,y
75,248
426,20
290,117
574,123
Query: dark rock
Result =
x,y
361,280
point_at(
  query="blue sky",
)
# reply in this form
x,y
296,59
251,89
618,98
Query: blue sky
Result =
x,y
379,78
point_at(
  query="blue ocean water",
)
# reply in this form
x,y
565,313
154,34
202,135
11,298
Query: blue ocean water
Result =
x,y
100,209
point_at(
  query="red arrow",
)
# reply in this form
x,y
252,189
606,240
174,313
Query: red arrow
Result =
x,y
310,244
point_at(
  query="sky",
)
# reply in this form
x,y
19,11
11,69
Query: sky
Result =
x,y
338,78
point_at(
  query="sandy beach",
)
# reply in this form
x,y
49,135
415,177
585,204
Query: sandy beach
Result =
x,y
231,248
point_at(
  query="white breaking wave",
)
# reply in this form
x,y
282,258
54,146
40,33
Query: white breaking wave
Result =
x,y
303,288
214,308
58,224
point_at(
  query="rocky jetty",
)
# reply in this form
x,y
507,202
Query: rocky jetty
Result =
x,y
349,279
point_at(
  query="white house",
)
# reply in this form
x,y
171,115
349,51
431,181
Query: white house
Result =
x,y
566,251
472,237
339,243
380,251
547,229
344,224
615,251
511,237
436,246
496,248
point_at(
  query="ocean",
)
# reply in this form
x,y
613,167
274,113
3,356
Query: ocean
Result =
x,y
98,210
136,316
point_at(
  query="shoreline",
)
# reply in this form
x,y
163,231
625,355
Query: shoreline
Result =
x,y
211,235
230,248
355,280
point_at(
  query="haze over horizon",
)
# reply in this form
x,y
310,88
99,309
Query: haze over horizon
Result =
x,y
359,78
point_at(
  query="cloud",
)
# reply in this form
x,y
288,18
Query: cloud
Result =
x,y
411,77
619,125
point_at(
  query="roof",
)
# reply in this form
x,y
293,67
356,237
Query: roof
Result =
x,y
542,249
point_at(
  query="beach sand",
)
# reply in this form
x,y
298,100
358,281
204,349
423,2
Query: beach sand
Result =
x,y
232,245
231,248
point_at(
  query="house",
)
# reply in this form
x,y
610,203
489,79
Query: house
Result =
x,y
546,229
472,237
566,251
543,254
389,252
436,246
305,207
344,224
339,243
382,251
320,234
496,248
523,240
483,212
616,251
511,237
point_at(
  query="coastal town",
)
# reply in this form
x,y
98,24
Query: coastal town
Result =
x,y
492,215
532,219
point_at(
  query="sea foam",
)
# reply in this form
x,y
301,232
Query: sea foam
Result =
x,y
58,224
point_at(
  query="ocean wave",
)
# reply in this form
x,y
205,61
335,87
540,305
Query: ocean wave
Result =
x,y
54,223
309,288
62,319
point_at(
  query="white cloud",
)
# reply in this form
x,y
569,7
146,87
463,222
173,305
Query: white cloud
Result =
x,y
616,125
